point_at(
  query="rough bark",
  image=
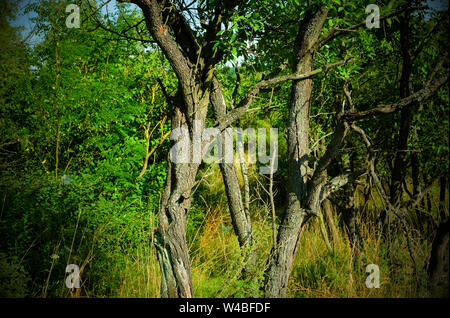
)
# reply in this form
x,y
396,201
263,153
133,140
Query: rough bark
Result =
x,y
280,263
327,210
240,216
189,105
438,250
193,61
398,173
170,237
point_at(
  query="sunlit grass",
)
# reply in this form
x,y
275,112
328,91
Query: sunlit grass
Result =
x,y
317,271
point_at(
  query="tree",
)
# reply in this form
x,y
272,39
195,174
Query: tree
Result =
x,y
193,62
341,93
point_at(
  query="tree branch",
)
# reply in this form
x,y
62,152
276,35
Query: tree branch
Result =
x,y
336,31
419,96
245,103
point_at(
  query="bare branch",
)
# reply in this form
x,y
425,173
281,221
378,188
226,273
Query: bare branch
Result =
x,y
244,104
419,96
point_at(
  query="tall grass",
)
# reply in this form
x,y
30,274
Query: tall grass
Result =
x,y
318,271
119,259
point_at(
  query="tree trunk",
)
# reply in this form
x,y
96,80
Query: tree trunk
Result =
x,y
442,208
241,223
438,250
170,237
415,168
398,173
170,241
240,216
327,209
349,213
348,209
280,263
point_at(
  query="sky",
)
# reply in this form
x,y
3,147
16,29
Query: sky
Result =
x,y
23,20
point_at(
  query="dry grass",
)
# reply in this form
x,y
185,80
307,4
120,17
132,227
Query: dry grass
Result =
x,y
317,272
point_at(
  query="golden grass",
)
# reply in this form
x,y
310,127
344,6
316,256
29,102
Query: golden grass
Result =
x,y
317,271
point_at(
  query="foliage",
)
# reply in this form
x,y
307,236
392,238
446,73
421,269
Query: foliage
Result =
x,y
75,109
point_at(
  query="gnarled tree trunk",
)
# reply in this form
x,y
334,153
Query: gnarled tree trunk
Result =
x,y
282,258
170,237
193,62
